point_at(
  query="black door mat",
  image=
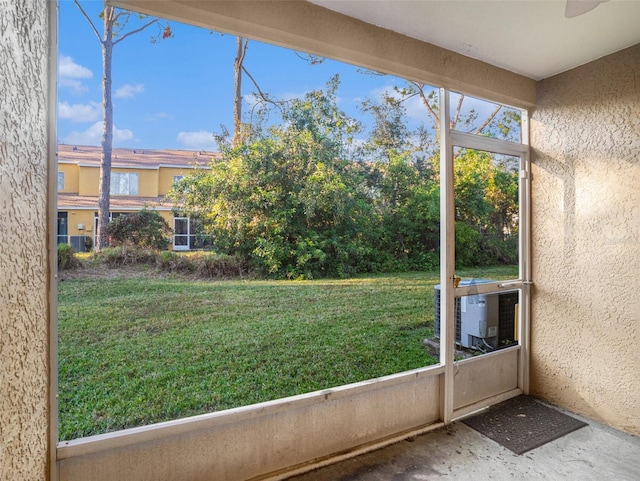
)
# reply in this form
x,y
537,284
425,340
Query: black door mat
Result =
x,y
522,424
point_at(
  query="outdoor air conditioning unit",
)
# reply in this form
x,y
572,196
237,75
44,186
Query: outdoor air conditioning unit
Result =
x,y
483,321
81,243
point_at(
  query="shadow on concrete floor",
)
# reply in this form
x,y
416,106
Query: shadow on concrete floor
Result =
x,y
594,452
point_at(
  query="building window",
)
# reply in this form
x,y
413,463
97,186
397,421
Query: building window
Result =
x,y
60,180
124,183
177,178
112,216
188,234
63,223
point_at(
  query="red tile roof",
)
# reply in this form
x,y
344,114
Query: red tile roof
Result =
x,y
135,157
116,202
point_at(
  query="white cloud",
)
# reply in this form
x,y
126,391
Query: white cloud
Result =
x,y
293,95
380,92
67,68
157,116
200,140
417,110
79,112
70,72
75,85
93,135
128,91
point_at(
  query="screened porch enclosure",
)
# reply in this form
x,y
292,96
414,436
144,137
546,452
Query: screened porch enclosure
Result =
x,y
295,432
583,235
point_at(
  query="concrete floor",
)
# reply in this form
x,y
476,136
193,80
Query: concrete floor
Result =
x,y
594,452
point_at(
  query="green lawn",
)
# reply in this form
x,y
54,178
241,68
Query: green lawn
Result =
x,y
137,351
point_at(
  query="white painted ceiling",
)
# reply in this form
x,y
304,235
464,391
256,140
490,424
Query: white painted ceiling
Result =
x,y
529,37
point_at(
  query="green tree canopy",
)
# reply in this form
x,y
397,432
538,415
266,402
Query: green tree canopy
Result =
x,y
289,200
298,199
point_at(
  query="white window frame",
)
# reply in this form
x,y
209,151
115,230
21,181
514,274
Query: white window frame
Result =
x,y
124,183
182,247
60,181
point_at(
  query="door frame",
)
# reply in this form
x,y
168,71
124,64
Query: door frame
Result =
x,y
451,410
181,247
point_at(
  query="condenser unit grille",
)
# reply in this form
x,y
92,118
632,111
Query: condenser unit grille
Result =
x,y
506,312
507,303
79,242
458,315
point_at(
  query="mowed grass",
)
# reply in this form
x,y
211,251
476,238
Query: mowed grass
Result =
x,y
134,351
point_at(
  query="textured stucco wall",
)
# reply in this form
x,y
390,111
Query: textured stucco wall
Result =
x,y
585,134
24,306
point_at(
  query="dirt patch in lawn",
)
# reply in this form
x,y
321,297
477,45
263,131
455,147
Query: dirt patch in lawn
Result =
x,y
102,271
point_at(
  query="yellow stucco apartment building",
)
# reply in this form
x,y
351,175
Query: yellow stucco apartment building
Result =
x,y
139,178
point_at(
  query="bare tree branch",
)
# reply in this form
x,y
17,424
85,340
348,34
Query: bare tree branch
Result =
x,y
425,101
132,32
454,122
95,30
310,58
245,44
488,119
367,71
261,94
241,51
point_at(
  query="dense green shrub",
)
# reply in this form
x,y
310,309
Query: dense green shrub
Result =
x,y
214,266
300,200
174,262
289,202
206,265
125,255
145,228
66,257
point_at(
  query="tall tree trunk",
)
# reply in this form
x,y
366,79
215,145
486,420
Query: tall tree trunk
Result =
x,y
110,18
107,130
241,49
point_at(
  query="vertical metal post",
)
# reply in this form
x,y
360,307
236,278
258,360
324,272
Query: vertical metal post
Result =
x,y
52,239
525,258
447,259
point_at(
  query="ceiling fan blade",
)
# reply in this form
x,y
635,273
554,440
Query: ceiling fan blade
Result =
x,y
575,8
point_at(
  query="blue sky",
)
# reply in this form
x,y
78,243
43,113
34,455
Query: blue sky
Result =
x,y
175,93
